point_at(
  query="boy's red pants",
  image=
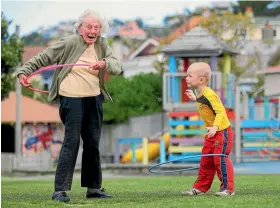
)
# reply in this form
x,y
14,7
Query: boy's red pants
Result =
x,y
221,143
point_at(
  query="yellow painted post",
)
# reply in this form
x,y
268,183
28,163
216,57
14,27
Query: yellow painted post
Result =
x,y
227,68
145,151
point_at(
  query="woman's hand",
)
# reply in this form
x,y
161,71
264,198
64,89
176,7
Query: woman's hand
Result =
x,y
98,65
23,82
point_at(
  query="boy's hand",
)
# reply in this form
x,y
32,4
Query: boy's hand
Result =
x,y
191,95
211,131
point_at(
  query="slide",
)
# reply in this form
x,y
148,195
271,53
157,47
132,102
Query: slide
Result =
x,y
153,151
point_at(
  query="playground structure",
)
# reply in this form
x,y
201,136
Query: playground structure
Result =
x,y
260,139
255,120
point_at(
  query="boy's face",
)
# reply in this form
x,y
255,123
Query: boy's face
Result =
x,y
193,78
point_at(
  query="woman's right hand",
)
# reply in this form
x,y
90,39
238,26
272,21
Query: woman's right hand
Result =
x,y
23,82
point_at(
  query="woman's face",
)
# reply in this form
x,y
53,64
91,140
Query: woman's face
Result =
x,y
90,30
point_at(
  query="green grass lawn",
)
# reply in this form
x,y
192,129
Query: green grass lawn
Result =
x,y
256,191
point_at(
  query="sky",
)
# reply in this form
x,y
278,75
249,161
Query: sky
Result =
x,y
32,14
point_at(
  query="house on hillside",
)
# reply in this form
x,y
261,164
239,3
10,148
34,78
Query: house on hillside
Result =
x,y
131,30
271,79
141,60
267,27
260,44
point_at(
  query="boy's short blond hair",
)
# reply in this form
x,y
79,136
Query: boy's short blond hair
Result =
x,y
202,69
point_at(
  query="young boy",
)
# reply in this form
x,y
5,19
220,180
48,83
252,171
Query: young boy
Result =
x,y
219,138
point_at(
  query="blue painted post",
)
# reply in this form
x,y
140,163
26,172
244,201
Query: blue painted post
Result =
x,y
162,151
251,108
174,81
214,63
133,149
266,108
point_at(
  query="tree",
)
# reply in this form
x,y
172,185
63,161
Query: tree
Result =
x,y
233,29
260,8
130,43
135,96
11,57
275,60
35,39
230,27
116,23
161,65
140,22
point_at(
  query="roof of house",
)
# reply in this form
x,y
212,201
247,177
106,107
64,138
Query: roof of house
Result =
x,y
178,32
146,48
198,43
270,70
30,51
131,28
32,111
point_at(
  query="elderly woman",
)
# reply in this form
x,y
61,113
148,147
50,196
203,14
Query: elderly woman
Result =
x,y
80,91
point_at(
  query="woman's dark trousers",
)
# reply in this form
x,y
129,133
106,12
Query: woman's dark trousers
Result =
x,y
82,117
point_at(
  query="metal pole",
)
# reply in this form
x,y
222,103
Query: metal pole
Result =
x,y
162,151
162,107
18,146
237,126
246,105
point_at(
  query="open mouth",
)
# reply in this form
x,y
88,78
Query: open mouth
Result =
x,y
91,37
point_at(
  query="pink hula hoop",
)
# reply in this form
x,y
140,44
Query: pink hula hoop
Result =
x,y
46,69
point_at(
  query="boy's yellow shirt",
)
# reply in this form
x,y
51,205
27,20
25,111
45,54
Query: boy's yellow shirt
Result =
x,y
212,110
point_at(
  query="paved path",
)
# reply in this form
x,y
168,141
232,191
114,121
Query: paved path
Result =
x,y
270,167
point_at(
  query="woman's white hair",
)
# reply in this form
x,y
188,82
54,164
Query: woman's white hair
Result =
x,y
90,13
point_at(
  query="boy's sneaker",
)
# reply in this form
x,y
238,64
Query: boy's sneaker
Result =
x,y
192,192
225,193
